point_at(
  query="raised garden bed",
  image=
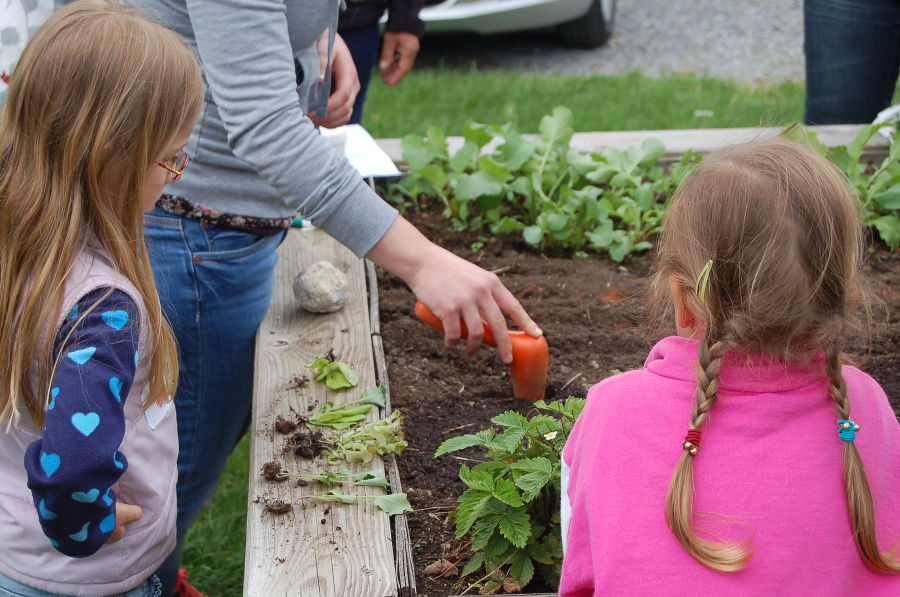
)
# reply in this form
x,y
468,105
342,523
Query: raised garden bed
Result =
x,y
591,312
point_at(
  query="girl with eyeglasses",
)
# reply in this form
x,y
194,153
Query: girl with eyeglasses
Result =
x,y
97,114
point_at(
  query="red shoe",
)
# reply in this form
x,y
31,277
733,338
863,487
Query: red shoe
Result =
x,y
183,588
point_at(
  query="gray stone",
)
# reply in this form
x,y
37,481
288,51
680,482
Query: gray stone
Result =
x,y
321,288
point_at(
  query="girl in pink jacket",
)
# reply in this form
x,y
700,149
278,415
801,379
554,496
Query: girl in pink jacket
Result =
x,y
746,457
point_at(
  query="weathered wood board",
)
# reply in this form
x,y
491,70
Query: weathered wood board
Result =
x,y
676,142
318,549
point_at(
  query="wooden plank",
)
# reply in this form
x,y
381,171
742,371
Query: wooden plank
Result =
x,y
319,549
676,142
406,572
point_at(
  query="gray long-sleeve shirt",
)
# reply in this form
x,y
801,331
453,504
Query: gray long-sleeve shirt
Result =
x,y
254,152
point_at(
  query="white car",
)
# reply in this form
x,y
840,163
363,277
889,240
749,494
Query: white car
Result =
x,y
583,23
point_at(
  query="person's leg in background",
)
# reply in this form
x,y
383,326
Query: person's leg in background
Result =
x,y
215,287
852,50
363,44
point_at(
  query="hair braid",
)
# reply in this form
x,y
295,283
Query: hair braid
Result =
x,y
725,557
856,483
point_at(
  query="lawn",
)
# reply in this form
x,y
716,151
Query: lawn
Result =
x,y
214,553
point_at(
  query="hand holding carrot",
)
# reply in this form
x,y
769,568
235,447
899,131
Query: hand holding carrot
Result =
x,y
456,290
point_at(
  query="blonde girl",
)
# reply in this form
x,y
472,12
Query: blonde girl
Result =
x,y
746,458
97,112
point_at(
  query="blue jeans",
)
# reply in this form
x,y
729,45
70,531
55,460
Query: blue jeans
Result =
x,y
11,588
363,46
214,286
852,52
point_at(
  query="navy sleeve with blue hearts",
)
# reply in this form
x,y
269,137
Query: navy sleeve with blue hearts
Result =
x,y
72,468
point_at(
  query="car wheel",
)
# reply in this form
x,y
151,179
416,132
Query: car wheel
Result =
x,y
591,30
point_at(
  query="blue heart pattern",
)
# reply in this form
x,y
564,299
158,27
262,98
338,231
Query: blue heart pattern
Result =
x,y
115,319
135,359
85,422
83,355
45,513
108,523
86,497
53,394
81,535
107,499
50,463
116,460
74,312
115,386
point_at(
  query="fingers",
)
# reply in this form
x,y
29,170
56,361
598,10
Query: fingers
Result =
x,y
125,513
512,307
398,53
344,88
475,329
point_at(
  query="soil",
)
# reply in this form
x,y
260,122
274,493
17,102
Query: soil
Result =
x,y
592,312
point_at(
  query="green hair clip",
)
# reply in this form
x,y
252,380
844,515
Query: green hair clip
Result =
x,y
703,281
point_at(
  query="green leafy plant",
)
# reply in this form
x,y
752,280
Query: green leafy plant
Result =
x,y
540,187
373,478
393,503
336,375
329,415
510,510
365,442
876,185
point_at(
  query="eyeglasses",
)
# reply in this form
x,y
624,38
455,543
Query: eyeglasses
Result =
x,y
175,166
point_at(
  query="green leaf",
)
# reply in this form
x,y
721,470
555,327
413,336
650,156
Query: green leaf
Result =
x,y
393,504
510,418
505,491
652,149
472,186
538,465
472,505
496,546
556,222
476,479
474,563
370,479
516,150
889,199
436,175
477,133
521,568
418,152
556,127
465,157
335,495
532,483
533,235
516,527
461,442
889,230
376,396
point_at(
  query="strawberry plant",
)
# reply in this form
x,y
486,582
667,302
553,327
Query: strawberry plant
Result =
x,y
510,510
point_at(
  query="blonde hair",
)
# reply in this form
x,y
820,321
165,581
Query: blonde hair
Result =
x,y
96,97
783,232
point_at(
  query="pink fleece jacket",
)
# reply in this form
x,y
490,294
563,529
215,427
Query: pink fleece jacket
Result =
x,y
769,471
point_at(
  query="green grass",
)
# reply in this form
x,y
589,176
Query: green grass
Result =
x,y
448,98
214,548
214,551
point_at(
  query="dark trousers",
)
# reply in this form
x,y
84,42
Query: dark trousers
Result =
x,y
852,52
363,44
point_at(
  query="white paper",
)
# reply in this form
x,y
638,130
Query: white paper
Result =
x,y
364,153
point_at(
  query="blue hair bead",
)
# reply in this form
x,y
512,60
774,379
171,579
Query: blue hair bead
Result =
x,y
847,429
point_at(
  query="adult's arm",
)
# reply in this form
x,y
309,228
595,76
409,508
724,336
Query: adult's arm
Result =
x,y
248,61
453,288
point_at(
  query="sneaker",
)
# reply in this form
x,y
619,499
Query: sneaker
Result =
x,y
183,588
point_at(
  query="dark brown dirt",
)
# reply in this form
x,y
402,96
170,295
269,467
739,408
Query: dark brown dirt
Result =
x,y
591,311
306,444
271,471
